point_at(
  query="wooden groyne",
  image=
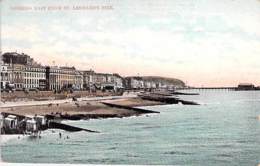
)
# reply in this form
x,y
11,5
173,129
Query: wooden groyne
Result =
x,y
184,102
167,99
56,125
82,116
161,93
181,93
139,110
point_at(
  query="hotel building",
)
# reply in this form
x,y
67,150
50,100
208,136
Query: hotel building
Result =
x,y
58,78
34,77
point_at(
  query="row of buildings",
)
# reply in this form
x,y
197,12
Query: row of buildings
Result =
x,y
156,83
21,72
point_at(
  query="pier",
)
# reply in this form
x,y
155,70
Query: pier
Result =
x,y
209,88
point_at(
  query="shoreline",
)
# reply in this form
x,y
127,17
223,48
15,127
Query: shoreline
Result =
x,y
76,110
7,137
83,108
60,101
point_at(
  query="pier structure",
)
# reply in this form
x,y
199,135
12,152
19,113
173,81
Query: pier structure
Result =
x,y
209,88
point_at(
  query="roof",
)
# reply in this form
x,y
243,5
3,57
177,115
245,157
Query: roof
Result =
x,y
66,67
11,116
245,84
31,121
9,119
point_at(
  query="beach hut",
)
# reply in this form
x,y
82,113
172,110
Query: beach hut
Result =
x,y
41,120
31,127
10,122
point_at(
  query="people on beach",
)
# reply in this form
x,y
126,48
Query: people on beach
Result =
x,y
74,99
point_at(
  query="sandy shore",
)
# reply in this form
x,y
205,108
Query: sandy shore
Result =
x,y
82,107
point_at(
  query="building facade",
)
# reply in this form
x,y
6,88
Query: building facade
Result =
x,y
118,81
88,79
102,81
21,72
58,78
34,77
5,76
17,75
135,83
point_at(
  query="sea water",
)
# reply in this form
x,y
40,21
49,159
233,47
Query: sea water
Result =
x,y
223,130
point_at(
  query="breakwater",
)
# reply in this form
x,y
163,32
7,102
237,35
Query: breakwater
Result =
x,y
138,110
167,99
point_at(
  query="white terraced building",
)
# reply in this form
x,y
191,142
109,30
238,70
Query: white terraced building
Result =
x,y
5,76
61,77
33,77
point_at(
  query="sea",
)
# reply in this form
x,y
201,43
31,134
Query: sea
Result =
x,y
223,130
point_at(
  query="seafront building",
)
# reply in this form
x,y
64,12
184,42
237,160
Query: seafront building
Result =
x,y
58,78
16,58
118,81
17,74
88,79
21,76
137,82
20,71
5,75
34,77
150,84
134,83
93,80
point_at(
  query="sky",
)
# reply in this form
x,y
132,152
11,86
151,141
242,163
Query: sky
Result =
x,y
202,42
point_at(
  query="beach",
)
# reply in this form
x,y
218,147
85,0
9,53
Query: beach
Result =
x,y
91,107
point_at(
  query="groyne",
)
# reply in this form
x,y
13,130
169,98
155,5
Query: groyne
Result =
x,y
56,125
83,116
166,99
182,93
138,110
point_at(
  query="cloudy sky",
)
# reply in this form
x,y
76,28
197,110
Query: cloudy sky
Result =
x,y
203,42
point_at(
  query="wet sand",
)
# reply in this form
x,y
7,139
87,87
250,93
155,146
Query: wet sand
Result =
x,y
135,102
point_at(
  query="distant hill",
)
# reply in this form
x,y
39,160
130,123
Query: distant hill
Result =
x,y
174,81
